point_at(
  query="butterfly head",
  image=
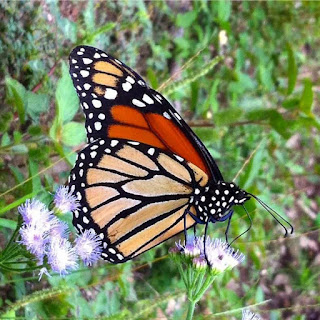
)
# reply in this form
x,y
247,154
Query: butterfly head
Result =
x,y
216,200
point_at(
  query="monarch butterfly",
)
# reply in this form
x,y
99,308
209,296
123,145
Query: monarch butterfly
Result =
x,y
144,175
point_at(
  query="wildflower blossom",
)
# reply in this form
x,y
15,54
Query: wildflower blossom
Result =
x,y
248,315
64,200
200,262
189,247
35,239
61,256
58,228
221,256
88,247
34,212
216,252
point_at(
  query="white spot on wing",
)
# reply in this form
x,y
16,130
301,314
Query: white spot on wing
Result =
x,y
126,86
87,60
113,143
87,86
130,79
151,151
179,158
138,103
166,115
110,94
85,220
96,55
147,99
101,116
84,73
177,116
97,125
96,103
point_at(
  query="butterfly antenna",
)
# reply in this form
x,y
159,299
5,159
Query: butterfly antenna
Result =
x,y
250,225
275,215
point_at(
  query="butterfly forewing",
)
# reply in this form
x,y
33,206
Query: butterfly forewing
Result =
x,y
132,195
118,104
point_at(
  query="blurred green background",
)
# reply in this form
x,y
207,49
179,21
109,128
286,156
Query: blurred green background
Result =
x,y
257,111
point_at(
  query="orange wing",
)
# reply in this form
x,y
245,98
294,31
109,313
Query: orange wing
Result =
x,y
118,104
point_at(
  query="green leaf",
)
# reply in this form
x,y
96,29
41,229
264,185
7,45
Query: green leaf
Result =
x,y
279,124
5,140
292,70
152,77
6,223
36,104
66,97
224,10
290,104
73,133
185,20
16,95
306,97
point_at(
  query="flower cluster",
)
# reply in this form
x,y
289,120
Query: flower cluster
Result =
x,y
46,236
215,253
199,261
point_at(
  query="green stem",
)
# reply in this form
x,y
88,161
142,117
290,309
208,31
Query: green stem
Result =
x,y
199,284
182,274
204,288
191,307
190,278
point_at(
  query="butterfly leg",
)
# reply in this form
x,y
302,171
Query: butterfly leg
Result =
x,y
228,226
185,225
204,243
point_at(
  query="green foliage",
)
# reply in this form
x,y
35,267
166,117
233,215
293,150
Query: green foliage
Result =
x,y
244,74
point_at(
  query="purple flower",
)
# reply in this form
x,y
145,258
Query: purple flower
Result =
x,y
219,254
35,239
34,212
64,200
200,262
190,247
88,247
248,315
61,256
58,228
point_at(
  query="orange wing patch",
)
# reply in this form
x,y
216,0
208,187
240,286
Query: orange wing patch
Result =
x,y
107,67
135,134
129,116
175,139
154,130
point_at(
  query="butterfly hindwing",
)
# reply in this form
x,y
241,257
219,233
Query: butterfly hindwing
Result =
x,y
132,195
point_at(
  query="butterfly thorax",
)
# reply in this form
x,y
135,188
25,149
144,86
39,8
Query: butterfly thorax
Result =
x,y
214,201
